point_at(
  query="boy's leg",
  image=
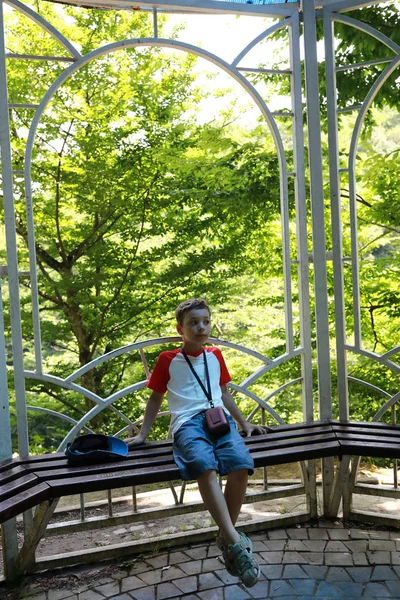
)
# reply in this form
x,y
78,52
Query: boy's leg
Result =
x,y
235,489
216,504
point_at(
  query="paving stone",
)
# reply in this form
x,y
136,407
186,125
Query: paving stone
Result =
x,y
280,588
260,590
315,545
394,535
213,550
383,573
303,586
172,573
297,534
209,580
315,571
197,553
335,546
216,594
146,593
275,545
187,584
293,558
360,574
356,545
373,590
318,534
378,557
192,568
394,588
396,570
342,559
234,592
224,576
296,545
110,589
259,545
350,590
338,534
122,597
119,574
272,571
132,583
379,535
140,567
294,572
387,545
211,564
337,574
277,534
157,562
314,558
326,588
88,595
358,534
272,558
167,590
395,558
151,577
176,558
360,559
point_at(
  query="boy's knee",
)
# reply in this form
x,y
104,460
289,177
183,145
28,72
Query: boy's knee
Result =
x,y
239,474
209,474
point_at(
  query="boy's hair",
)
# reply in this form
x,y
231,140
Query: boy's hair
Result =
x,y
192,304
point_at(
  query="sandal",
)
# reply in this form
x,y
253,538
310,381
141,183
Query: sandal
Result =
x,y
246,566
245,543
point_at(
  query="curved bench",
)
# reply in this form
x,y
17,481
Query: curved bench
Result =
x,y
42,480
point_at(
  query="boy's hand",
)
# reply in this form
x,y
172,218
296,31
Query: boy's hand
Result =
x,y
135,441
250,429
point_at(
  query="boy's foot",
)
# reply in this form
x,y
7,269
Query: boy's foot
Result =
x,y
246,566
246,544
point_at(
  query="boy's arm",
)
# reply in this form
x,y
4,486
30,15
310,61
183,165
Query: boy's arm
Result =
x,y
231,405
150,414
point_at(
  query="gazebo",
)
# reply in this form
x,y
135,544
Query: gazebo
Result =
x,y
287,17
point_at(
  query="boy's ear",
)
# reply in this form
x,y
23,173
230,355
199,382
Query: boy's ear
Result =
x,y
179,329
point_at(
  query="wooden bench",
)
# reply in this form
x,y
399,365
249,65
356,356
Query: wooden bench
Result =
x,y
42,480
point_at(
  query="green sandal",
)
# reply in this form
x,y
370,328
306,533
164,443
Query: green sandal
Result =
x,y
246,566
245,543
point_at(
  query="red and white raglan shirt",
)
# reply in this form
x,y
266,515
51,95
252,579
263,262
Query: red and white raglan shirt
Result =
x,y
186,399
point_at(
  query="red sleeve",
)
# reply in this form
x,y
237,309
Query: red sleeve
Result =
x,y
224,376
160,375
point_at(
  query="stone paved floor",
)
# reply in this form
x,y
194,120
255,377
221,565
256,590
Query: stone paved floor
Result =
x,y
323,562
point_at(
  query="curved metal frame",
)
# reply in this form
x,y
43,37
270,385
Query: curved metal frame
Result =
x,y
233,71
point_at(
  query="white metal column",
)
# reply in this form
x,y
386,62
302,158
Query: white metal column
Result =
x,y
317,208
12,255
318,228
9,538
336,216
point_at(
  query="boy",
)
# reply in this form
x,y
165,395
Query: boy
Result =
x,y
199,453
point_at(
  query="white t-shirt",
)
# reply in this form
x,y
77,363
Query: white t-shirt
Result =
x,y
186,398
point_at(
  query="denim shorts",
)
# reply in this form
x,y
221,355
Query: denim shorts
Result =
x,y
196,450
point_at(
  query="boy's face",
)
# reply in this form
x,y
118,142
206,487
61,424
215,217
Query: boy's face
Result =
x,y
196,326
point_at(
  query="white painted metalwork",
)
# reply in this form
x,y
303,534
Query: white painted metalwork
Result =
x,y
336,216
317,209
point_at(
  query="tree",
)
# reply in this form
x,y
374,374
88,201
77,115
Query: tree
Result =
x,y
136,205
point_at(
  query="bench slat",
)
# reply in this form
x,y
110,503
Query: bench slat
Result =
x,y
23,501
104,481
12,488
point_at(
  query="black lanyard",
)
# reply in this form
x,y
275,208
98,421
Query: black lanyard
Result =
x,y
208,390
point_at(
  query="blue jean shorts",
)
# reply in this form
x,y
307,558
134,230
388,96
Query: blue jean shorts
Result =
x,y
196,450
